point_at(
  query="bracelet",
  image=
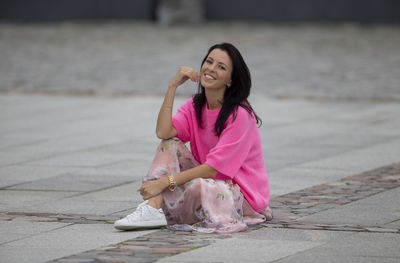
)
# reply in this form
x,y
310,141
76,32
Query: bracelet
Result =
x,y
172,183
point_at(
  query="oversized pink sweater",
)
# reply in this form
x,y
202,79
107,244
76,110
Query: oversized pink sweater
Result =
x,y
236,154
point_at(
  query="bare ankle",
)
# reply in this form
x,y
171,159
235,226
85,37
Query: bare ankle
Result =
x,y
156,202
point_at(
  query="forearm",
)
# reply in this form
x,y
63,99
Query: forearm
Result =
x,y
201,171
153,188
164,129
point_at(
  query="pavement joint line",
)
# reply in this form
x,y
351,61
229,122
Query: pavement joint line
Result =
x,y
26,162
288,208
12,185
101,189
32,235
7,188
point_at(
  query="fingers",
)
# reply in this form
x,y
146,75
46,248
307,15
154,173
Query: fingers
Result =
x,y
189,73
195,78
144,191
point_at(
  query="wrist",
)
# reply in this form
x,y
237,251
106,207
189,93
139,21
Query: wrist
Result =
x,y
171,183
165,182
172,86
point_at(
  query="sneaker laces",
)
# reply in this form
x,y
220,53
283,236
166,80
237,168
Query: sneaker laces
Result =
x,y
141,210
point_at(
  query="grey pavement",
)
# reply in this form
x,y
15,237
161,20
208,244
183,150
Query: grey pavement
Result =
x,y
70,163
286,60
86,155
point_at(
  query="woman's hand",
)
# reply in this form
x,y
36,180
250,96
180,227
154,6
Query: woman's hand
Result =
x,y
153,188
183,74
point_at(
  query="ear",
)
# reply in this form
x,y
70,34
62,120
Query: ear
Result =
x,y
229,83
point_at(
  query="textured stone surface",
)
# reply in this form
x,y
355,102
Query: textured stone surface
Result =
x,y
333,61
284,235
44,141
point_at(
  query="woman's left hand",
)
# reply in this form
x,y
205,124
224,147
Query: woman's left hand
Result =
x,y
153,188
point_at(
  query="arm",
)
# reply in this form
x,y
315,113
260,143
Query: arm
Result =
x,y
165,129
153,188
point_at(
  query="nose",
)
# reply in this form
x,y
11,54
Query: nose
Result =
x,y
212,67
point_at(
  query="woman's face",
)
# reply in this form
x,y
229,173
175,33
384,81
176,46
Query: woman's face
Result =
x,y
216,70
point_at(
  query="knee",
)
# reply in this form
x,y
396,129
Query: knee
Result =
x,y
197,183
172,141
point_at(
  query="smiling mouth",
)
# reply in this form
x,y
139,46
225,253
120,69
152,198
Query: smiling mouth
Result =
x,y
208,76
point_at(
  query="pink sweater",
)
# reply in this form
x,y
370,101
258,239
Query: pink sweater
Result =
x,y
236,154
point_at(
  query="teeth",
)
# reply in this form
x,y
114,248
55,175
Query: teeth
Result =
x,y
210,77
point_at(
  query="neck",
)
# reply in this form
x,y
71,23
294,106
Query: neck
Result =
x,y
214,98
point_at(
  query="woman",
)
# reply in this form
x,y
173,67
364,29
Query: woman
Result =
x,y
221,185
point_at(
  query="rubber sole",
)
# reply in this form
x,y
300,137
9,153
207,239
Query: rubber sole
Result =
x,y
148,225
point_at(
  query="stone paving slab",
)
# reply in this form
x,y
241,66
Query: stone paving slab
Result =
x,y
17,174
361,247
46,245
19,228
126,192
360,159
285,234
318,198
168,245
377,209
74,182
77,206
288,123
231,250
12,199
288,180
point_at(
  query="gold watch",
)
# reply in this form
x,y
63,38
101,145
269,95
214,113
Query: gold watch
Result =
x,y
172,183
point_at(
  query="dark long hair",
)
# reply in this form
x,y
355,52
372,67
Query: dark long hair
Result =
x,y
236,95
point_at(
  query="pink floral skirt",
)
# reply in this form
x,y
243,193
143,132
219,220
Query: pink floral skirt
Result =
x,y
203,205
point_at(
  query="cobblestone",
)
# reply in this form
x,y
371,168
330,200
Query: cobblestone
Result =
x,y
287,209
326,196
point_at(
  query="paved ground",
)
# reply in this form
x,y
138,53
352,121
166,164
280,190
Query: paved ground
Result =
x,y
333,61
69,165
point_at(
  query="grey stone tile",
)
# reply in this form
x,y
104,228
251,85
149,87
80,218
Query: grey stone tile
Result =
x,y
84,159
281,234
348,139
365,245
124,193
272,164
77,206
133,169
361,160
304,153
288,180
74,182
317,257
63,242
21,229
17,174
231,250
378,209
11,199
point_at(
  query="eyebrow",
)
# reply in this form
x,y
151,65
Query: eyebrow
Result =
x,y
218,62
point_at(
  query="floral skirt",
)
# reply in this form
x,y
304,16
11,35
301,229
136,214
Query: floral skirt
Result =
x,y
203,205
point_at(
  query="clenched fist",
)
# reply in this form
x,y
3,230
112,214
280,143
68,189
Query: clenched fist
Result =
x,y
183,74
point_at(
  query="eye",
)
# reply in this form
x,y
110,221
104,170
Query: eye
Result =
x,y
221,67
209,61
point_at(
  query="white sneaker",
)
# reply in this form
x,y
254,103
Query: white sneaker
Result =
x,y
144,216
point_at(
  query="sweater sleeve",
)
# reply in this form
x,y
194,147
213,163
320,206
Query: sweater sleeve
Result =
x,y
181,121
233,145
